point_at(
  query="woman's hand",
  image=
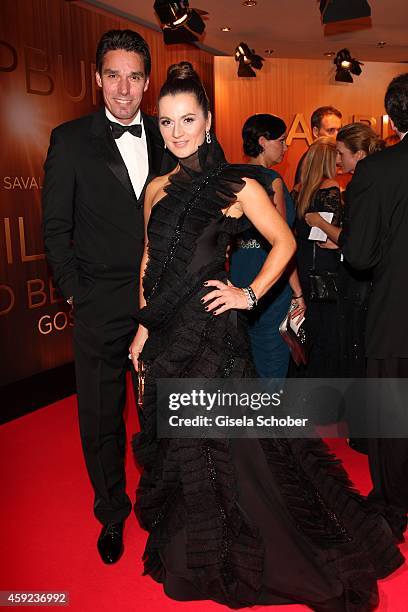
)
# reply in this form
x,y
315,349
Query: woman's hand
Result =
x,y
314,219
299,309
137,345
329,244
224,297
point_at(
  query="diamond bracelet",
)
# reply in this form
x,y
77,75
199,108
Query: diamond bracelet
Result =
x,y
250,296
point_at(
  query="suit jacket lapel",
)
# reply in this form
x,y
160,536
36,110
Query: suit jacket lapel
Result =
x,y
105,144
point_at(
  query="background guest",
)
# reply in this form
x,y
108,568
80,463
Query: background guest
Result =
x,y
264,143
375,237
325,121
354,142
318,191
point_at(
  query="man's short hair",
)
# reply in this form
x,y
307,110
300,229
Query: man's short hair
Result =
x,y
128,40
322,111
396,102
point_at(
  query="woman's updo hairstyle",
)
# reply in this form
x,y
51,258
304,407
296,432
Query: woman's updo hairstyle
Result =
x,y
360,137
268,126
182,78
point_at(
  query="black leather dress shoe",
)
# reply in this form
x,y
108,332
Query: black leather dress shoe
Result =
x,y
110,542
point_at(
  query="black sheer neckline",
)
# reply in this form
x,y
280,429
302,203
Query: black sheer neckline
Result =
x,y
204,158
192,162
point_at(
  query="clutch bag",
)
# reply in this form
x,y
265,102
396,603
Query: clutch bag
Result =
x,y
140,383
323,284
296,337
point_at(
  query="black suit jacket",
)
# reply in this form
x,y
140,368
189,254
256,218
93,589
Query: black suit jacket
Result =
x,y
92,220
376,236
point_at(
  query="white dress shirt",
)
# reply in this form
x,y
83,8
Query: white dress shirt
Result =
x,y
134,153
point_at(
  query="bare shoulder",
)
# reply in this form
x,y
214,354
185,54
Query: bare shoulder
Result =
x,y
277,181
157,183
155,189
329,183
277,184
251,185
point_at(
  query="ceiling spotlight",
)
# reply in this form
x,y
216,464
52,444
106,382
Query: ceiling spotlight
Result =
x,y
343,10
225,29
180,23
268,51
329,54
247,59
381,44
250,3
346,66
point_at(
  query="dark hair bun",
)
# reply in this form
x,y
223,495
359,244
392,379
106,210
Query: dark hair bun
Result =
x,y
262,124
182,71
182,78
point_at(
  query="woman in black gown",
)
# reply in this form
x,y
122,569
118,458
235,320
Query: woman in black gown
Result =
x,y
241,522
354,142
318,192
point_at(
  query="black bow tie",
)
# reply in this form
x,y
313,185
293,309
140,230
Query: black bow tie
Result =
x,y
118,130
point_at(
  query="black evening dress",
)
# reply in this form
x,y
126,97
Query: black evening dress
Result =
x,y
239,522
322,318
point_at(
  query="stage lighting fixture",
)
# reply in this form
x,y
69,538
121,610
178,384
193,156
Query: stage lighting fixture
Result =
x,y
179,22
346,66
344,10
247,59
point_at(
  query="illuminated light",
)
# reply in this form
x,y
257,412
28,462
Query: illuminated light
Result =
x,y
179,22
346,66
182,19
247,60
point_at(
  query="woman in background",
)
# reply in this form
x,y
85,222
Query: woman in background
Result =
x,y
264,144
354,142
318,192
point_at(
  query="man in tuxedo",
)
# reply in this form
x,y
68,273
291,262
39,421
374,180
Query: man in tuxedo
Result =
x,y
95,175
325,121
375,236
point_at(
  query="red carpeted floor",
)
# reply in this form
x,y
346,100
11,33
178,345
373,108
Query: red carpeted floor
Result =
x,y
48,533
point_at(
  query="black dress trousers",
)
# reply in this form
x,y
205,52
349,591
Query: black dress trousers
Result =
x,y
388,457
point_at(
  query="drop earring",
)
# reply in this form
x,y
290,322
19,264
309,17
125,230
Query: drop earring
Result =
x,y
208,137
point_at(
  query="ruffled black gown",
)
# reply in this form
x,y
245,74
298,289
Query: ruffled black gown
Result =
x,y
240,522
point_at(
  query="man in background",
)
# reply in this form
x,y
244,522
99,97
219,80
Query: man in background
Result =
x,y
325,121
375,237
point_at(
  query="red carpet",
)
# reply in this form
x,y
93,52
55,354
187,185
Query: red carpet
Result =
x,y
48,533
